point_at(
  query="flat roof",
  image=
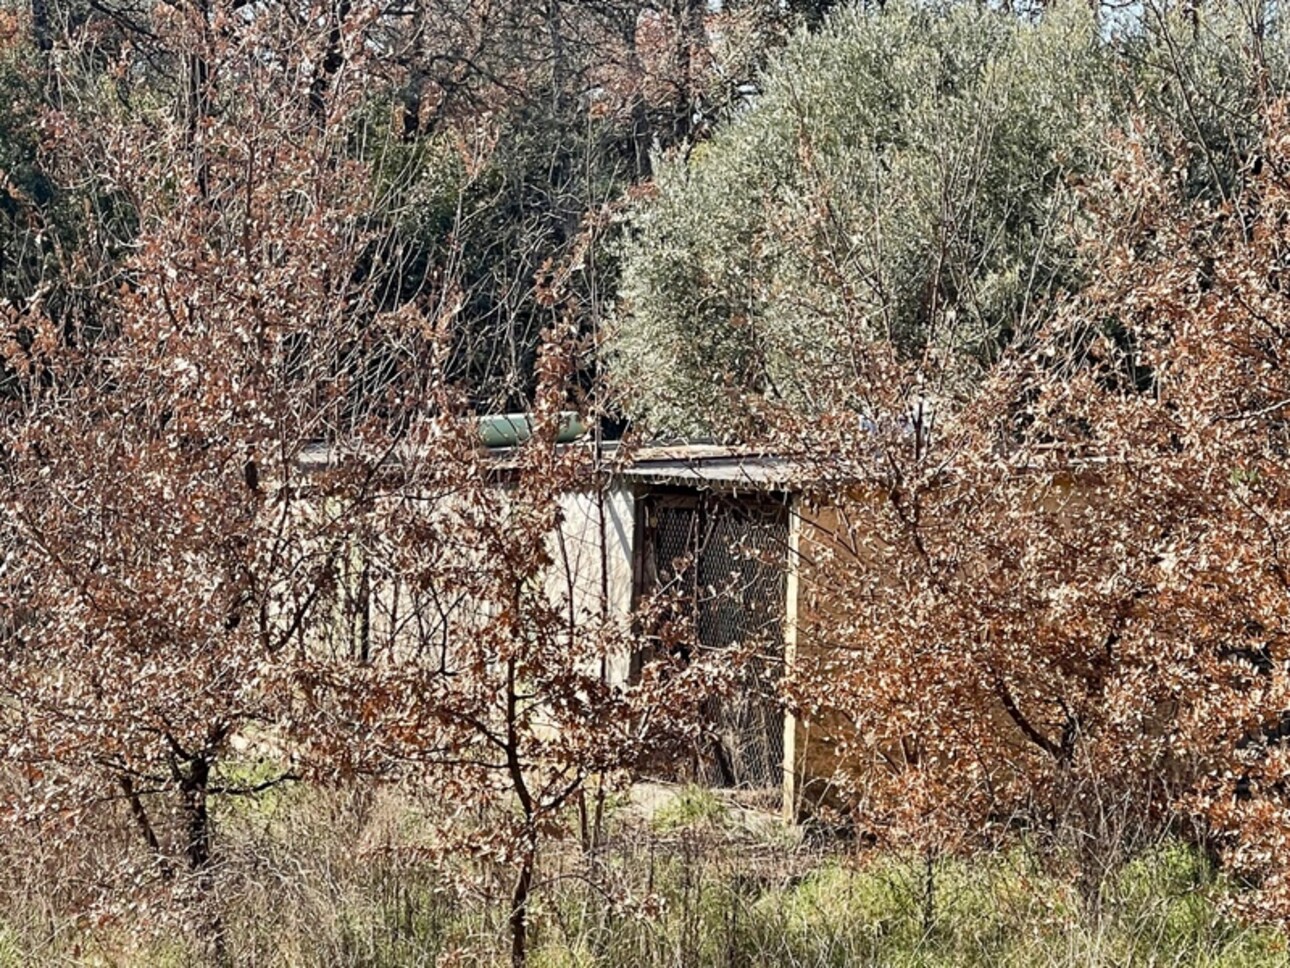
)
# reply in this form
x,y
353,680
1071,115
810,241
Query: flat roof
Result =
x,y
663,463
706,464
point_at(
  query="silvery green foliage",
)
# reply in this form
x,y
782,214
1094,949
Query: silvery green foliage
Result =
x,y
1206,75
904,179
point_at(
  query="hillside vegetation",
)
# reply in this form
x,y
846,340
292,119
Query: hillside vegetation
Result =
x,y
295,671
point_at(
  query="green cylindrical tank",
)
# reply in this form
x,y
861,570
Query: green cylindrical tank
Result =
x,y
512,429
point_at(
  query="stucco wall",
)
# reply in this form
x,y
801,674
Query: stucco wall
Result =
x,y
592,554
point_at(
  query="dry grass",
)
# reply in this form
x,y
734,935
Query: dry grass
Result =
x,y
329,878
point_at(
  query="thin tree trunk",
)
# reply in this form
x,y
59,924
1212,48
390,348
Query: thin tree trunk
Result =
x,y
519,920
333,61
691,36
555,31
199,102
144,824
40,32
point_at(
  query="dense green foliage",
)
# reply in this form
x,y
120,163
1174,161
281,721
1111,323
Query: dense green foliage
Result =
x,y
909,179
903,178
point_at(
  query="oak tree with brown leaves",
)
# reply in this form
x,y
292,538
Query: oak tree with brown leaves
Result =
x,y
1063,606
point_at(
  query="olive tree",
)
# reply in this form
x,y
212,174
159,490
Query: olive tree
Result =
x,y
903,177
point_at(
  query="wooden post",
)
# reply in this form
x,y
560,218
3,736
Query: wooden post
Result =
x,y
791,755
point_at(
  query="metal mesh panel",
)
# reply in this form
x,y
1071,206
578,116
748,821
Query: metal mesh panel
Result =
x,y
724,561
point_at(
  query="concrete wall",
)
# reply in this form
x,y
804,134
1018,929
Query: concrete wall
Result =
x,y
590,577
592,574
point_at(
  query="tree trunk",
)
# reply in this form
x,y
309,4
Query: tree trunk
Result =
x,y
691,37
333,61
40,32
144,824
198,844
524,882
637,145
555,33
198,106
197,848
519,919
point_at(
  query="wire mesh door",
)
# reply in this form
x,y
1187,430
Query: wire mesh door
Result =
x,y
722,562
